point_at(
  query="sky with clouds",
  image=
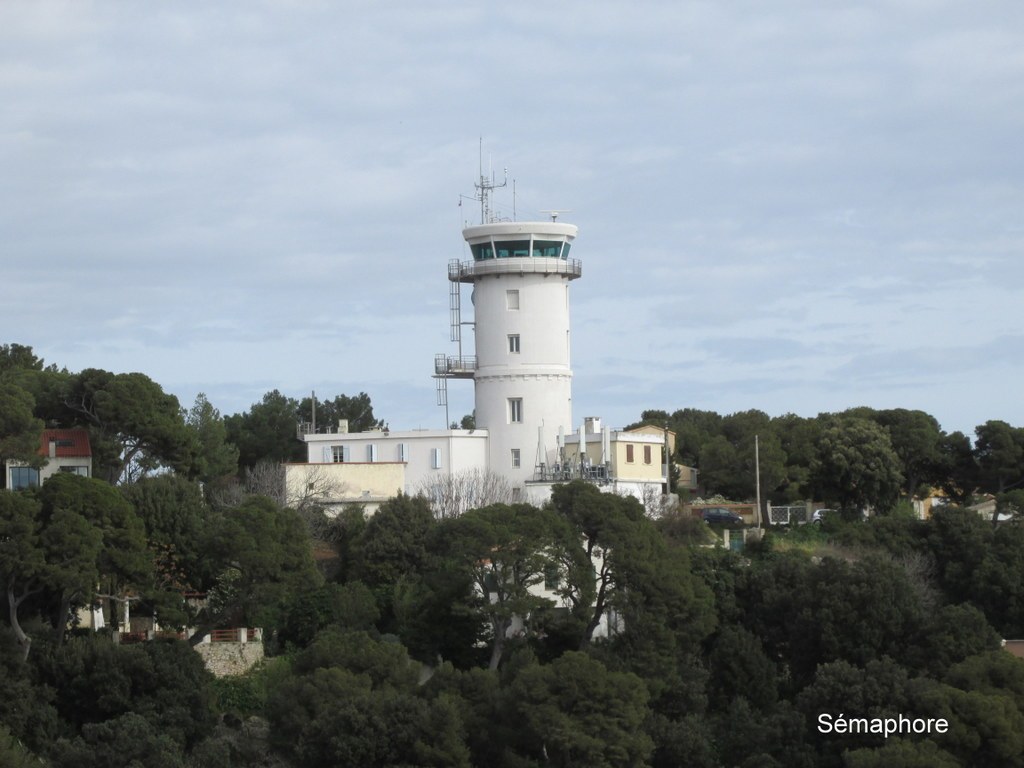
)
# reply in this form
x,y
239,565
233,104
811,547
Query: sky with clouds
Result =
x,y
794,206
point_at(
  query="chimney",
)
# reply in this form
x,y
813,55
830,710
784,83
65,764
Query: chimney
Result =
x,y
342,426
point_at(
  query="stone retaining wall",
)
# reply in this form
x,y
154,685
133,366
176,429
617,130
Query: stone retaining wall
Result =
x,y
226,659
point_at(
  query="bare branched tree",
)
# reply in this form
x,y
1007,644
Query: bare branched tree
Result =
x,y
657,504
452,495
317,489
267,479
923,577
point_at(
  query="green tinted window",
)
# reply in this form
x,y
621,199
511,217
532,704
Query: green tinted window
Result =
x,y
515,249
482,251
546,249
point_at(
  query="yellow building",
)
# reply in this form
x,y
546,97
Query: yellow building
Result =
x,y
334,485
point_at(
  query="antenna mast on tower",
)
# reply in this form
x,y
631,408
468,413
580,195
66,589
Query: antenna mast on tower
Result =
x,y
485,187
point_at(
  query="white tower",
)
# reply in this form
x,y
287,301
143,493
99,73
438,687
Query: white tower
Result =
x,y
520,275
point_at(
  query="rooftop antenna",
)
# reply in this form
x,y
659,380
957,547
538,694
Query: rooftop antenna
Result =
x,y
485,187
555,214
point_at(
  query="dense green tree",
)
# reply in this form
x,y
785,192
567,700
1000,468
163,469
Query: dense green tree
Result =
x,y
958,468
433,619
743,429
164,682
750,738
603,522
798,439
856,465
917,440
951,634
656,611
127,741
175,517
134,425
386,728
997,584
486,709
901,753
994,672
19,429
720,469
694,428
124,564
687,741
354,701
267,431
215,456
349,606
628,568
357,410
19,357
740,667
807,613
1000,452
264,559
577,712
384,663
54,552
13,753
666,613
879,688
728,460
985,728
959,541
416,598
395,542
507,551
176,521
26,707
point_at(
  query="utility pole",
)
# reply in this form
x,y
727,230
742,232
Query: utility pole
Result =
x,y
757,472
668,475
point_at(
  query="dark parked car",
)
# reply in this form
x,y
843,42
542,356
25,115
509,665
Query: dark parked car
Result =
x,y
720,515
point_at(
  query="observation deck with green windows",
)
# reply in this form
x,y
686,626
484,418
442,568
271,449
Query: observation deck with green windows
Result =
x,y
518,247
521,249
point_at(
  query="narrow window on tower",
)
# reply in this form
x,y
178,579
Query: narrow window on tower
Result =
x,y
629,453
512,299
647,454
515,410
513,343
516,460
435,458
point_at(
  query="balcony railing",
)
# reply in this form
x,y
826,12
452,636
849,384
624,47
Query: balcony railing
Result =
x,y
459,367
467,271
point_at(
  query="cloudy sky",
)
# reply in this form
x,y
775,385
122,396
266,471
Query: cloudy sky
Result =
x,y
797,206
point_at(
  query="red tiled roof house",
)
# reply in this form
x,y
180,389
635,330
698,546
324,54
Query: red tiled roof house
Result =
x,y
66,450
